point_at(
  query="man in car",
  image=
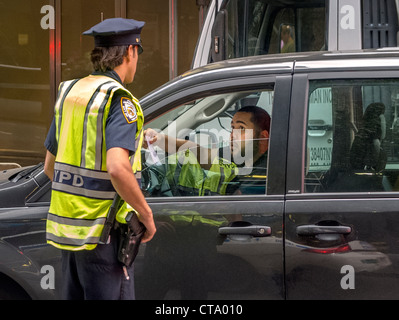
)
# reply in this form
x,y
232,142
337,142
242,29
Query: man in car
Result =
x,y
238,168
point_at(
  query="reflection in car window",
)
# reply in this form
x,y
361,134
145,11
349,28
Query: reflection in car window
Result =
x,y
353,136
257,27
216,145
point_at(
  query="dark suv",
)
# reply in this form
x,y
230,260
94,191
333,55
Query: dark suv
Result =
x,y
321,221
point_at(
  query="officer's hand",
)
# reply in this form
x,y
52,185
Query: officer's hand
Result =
x,y
148,235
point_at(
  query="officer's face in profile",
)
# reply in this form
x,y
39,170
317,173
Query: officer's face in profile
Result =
x,y
245,138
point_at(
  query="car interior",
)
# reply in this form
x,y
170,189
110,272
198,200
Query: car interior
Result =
x,y
359,151
205,121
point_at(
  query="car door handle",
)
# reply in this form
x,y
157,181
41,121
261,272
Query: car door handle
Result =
x,y
252,230
311,230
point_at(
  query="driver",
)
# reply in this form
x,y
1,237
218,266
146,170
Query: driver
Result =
x,y
239,168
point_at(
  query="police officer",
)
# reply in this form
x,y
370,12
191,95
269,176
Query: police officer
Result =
x,y
93,151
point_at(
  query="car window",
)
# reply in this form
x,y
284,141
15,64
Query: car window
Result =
x,y
243,31
298,30
257,27
210,146
352,136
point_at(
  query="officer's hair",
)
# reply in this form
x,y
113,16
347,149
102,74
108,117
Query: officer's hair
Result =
x,y
108,58
259,117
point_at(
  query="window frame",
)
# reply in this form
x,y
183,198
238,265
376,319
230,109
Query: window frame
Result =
x,y
186,91
298,129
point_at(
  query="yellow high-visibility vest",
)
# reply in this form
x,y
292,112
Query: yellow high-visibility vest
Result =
x,y
82,192
192,179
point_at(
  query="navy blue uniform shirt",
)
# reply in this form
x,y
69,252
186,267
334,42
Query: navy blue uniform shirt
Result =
x,y
118,132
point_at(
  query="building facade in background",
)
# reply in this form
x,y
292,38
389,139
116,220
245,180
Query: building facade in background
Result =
x,y
42,45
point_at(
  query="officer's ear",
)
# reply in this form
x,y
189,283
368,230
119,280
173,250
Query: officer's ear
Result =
x,y
135,51
130,52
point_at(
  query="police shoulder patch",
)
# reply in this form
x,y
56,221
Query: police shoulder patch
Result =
x,y
129,110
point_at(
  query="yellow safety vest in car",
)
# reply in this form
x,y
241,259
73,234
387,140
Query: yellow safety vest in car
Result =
x,y
192,179
82,192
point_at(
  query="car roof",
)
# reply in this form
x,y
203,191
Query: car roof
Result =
x,y
300,62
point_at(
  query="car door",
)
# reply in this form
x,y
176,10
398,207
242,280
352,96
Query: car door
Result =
x,y
29,267
342,193
213,244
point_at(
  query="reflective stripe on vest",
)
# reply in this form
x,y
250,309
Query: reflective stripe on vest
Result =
x,y
66,231
82,191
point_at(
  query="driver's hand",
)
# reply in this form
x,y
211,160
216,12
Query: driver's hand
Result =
x,y
150,136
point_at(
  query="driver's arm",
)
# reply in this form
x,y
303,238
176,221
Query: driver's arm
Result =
x,y
173,145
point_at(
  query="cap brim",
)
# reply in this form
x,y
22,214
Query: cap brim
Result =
x,y
117,40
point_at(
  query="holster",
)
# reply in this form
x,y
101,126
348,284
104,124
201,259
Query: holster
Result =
x,y
131,235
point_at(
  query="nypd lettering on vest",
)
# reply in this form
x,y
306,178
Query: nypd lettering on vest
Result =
x,y
89,183
61,177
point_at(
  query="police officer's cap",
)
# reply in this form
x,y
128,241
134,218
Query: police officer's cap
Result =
x,y
117,32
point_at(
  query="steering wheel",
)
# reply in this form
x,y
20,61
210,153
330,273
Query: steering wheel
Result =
x,y
155,182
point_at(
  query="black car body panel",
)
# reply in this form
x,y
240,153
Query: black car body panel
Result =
x,y
318,232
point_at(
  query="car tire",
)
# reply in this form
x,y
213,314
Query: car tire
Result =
x,y
10,290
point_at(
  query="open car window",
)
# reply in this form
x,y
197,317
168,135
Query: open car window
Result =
x,y
198,158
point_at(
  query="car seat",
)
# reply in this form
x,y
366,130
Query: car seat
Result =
x,y
366,152
362,172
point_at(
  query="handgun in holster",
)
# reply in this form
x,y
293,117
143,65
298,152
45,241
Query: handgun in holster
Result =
x,y
131,233
130,239
110,221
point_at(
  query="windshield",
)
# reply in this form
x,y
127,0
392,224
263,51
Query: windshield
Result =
x,y
162,122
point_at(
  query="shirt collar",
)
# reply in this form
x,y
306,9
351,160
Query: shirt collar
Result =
x,y
111,73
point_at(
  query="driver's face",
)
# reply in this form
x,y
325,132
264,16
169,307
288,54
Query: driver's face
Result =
x,y
242,134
